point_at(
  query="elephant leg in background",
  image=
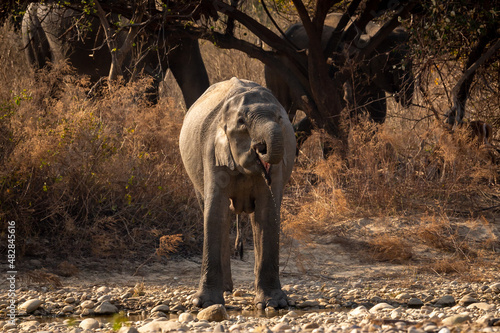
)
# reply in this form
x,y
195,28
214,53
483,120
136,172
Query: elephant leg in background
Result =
x,y
266,230
281,91
373,99
188,68
34,39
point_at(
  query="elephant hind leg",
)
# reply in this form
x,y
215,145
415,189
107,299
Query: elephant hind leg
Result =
x,y
238,243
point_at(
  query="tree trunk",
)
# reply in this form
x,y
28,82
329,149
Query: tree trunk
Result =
x,y
460,91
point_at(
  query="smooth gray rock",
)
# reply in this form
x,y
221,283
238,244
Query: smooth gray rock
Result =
x,y
162,326
216,312
106,308
89,324
30,305
456,319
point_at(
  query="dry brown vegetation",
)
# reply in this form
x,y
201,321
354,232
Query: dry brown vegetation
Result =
x,y
103,177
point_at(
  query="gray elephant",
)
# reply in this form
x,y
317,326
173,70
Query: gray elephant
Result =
x,y
52,33
238,148
388,70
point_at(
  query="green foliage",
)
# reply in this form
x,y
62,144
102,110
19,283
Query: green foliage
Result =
x,y
452,27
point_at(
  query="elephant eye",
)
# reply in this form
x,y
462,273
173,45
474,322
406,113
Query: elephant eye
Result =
x,y
241,122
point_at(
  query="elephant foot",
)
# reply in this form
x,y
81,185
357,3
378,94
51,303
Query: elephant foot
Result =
x,y
206,298
275,298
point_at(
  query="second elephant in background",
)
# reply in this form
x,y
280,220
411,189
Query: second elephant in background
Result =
x,y
388,69
54,33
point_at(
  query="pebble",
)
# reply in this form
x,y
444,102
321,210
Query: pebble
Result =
x,y
447,300
162,307
185,317
30,305
216,312
456,319
106,308
89,324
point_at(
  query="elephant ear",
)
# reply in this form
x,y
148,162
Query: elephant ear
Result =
x,y
223,156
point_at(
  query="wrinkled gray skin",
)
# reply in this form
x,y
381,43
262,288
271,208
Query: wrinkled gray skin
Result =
x,y
49,36
230,135
374,78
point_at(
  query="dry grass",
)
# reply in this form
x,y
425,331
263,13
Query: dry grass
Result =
x,y
98,177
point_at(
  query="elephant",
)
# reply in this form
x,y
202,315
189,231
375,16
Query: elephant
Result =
x,y
52,33
238,148
387,71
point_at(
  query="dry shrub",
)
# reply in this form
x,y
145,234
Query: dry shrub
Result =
x,y
41,277
87,174
169,244
390,248
67,269
451,265
441,234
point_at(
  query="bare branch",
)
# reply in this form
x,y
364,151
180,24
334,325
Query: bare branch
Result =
x,y
386,30
115,69
335,38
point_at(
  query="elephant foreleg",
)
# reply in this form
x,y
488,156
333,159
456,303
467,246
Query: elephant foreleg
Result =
x,y
226,254
266,229
214,266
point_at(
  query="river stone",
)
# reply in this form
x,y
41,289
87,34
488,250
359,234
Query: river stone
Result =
x,y
30,305
126,329
456,319
415,302
446,300
162,326
219,328
69,300
102,290
467,300
495,287
87,304
482,306
106,308
104,298
359,311
89,324
161,307
310,303
403,296
444,330
280,327
29,325
310,326
216,312
239,293
381,307
67,308
185,317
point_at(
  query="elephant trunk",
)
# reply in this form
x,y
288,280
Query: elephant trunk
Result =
x,y
269,142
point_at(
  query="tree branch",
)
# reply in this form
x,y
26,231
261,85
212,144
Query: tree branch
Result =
x,y
334,40
385,30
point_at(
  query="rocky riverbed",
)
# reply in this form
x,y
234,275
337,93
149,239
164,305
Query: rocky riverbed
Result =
x,y
334,305
331,288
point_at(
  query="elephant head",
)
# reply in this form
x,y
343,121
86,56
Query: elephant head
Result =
x,y
250,136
